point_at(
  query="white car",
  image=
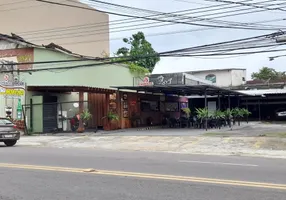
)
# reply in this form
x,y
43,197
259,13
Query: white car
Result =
x,y
280,113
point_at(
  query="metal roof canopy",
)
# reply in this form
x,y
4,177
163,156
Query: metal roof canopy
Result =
x,y
69,89
183,90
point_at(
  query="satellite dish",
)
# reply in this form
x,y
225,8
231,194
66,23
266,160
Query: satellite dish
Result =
x,y
76,105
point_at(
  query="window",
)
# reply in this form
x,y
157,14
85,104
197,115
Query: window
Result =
x,y
243,78
147,106
5,122
172,106
211,77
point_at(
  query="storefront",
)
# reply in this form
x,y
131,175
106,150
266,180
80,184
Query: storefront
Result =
x,y
163,95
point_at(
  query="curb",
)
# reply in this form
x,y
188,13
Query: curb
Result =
x,y
149,128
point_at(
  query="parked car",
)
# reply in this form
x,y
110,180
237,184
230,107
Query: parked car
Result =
x,y
281,113
9,133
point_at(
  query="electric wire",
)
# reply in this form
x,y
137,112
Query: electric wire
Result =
x,y
148,18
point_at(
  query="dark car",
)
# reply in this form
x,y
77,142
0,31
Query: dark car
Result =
x,y
9,133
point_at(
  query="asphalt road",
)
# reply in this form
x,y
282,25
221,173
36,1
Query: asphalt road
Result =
x,y
49,173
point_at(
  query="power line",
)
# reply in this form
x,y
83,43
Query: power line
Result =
x,y
198,10
185,1
233,45
193,17
86,33
132,26
129,60
121,20
147,18
246,4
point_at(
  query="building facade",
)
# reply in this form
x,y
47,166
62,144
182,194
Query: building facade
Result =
x,y
82,31
222,77
57,84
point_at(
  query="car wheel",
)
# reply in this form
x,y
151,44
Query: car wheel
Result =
x,y
10,143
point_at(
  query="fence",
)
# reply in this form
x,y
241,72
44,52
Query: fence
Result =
x,y
50,117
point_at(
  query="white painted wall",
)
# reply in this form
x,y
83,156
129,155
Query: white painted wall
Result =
x,y
224,78
237,77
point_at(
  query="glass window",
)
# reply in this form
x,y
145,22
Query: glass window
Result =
x,y
172,106
4,122
211,77
149,106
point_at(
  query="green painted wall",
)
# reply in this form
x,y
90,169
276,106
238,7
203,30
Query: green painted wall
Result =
x,y
102,76
37,114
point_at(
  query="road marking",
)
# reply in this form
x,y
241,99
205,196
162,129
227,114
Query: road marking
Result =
x,y
218,163
148,176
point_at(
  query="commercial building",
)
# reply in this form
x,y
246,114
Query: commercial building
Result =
x,y
46,89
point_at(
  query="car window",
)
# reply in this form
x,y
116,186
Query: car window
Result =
x,y
5,121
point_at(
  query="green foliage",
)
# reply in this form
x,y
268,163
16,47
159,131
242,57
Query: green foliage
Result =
x,y
266,73
245,112
139,47
202,113
85,115
228,113
187,111
218,114
112,116
237,113
137,70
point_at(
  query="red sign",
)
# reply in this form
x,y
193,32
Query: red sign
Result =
x,y
146,82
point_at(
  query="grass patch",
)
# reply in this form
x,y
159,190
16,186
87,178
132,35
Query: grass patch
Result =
x,y
280,135
216,134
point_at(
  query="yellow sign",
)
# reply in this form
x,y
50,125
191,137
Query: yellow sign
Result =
x,y
12,92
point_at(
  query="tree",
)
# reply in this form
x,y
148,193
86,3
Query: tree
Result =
x,y
266,73
139,46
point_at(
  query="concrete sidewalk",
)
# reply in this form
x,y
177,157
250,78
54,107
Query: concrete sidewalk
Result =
x,y
246,146
247,139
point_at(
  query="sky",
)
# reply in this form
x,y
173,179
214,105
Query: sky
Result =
x,y
186,39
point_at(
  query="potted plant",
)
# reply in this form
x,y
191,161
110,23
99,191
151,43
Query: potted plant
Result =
x,y
220,117
237,115
187,111
228,116
85,116
245,113
202,114
112,119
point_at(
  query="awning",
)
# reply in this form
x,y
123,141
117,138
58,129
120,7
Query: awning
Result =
x,y
69,89
183,90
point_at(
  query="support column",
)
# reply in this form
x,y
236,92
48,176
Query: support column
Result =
x,y
106,123
229,109
247,109
218,98
206,107
259,110
118,108
81,106
228,101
